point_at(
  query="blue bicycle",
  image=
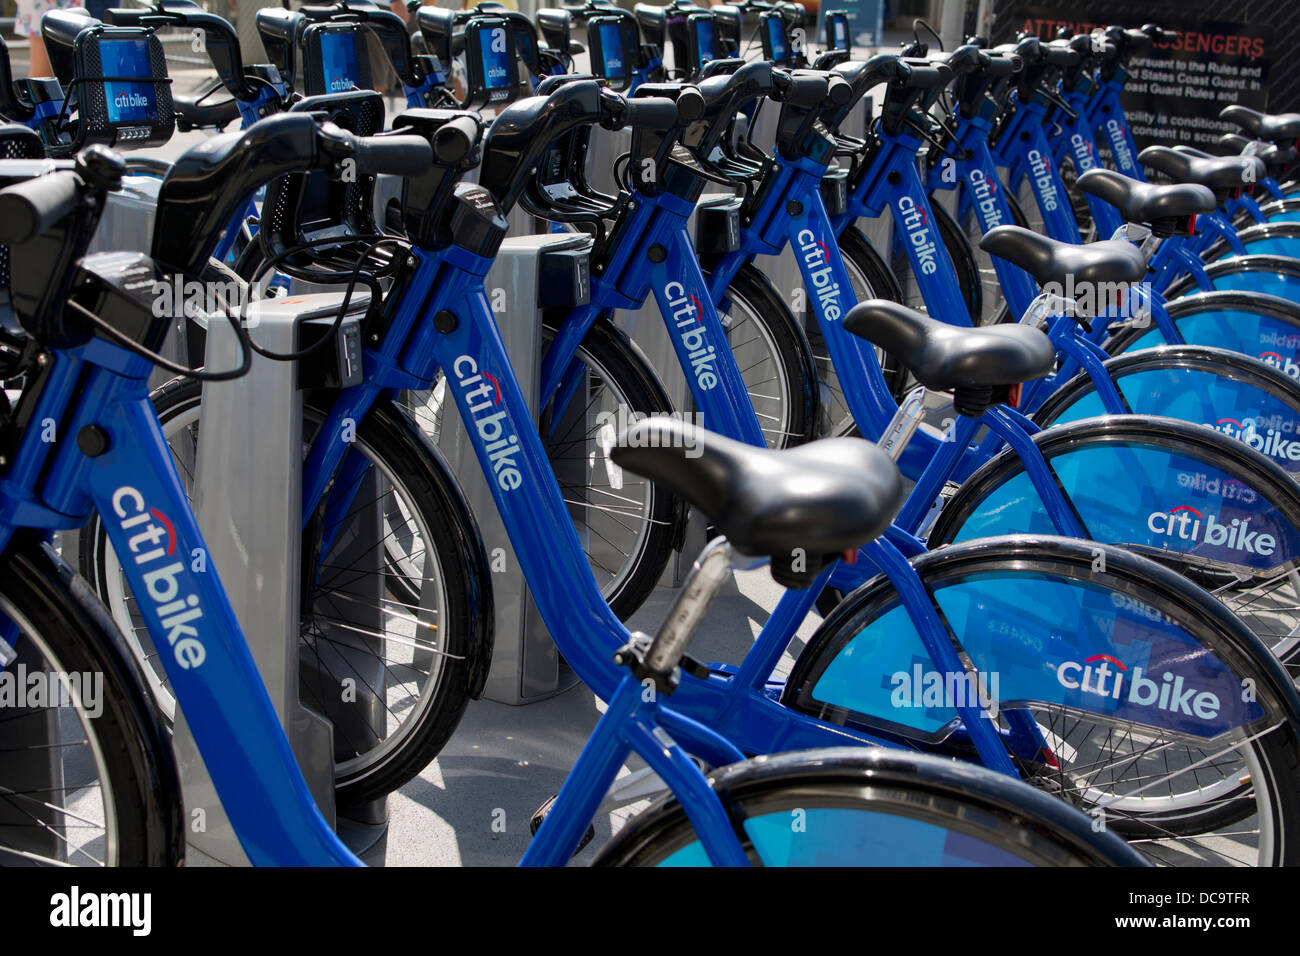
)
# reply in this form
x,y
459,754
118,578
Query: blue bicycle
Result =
x,y
846,805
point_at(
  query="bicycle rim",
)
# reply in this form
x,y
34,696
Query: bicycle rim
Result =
x,y
334,649
76,816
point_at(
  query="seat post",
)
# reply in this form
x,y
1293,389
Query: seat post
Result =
x,y
707,575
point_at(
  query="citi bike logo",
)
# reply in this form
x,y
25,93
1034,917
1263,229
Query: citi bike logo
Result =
x,y
1119,145
1083,155
1106,676
688,318
123,100
918,233
1271,442
1186,524
983,190
824,287
482,392
1280,363
340,84
152,547
1040,170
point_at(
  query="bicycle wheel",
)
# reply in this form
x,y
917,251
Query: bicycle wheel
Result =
x,y
953,240
1029,614
88,777
1131,479
1079,204
395,635
1265,238
853,806
1261,326
1240,396
1270,275
628,527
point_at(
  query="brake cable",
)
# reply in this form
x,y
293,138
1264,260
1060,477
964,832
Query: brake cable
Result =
x,y
354,277
246,345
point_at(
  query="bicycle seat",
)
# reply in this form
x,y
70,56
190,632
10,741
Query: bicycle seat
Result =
x,y
1065,263
1272,126
1146,202
824,498
1220,173
947,357
192,114
1276,157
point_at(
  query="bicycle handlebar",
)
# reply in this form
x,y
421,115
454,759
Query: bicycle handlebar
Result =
x,y
209,182
220,39
653,112
392,154
30,208
456,139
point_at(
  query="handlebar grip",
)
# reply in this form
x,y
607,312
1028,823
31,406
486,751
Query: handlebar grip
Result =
x,y
1002,66
690,104
925,76
1061,55
839,91
29,208
123,17
396,155
1158,33
653,112
455,140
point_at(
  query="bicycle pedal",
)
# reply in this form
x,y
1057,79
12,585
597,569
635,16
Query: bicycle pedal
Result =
x,y
535,823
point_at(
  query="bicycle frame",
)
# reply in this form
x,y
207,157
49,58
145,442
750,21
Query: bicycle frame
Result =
x,y
541,530
891,180
653,252
146,513
1105,112
628,726
981,193
1023,148
1074,138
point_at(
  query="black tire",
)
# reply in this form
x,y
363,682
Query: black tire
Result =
x,y
1277,311
986,808
623,362
1258,263
795,371
465,646
963,261
1288,232
1220,362
1277,750
136,768
861,257
1079,203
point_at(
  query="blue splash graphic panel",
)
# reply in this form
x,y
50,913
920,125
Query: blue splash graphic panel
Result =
x,y
1128,493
